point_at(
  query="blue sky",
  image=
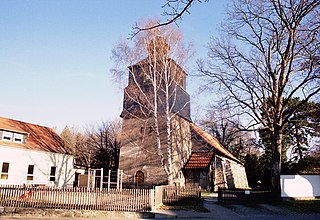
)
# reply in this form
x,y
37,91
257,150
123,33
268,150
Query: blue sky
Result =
x,y
55,56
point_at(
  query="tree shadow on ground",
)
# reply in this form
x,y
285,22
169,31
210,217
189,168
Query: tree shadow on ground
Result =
x,y
187,204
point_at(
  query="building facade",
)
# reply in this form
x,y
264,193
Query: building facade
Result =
x,y
211,165
139,156
157,127
33,154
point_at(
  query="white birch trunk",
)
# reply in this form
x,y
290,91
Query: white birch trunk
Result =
x,y
168,123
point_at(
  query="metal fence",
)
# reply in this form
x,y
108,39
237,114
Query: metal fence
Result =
x,y
248,196
76,198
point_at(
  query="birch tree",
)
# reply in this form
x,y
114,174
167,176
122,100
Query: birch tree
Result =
x,y
269,51
157,80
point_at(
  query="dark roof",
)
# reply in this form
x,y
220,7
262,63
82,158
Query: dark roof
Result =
x,y
213,142
199,160
145,62
38,137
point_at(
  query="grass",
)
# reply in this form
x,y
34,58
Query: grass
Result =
x,y
196,204
302,206
205,192
297,206
189,204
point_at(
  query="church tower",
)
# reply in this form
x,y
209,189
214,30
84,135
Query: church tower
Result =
x,y
156,113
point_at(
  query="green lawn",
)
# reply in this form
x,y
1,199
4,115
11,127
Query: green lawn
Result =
x,y
190,204
205,193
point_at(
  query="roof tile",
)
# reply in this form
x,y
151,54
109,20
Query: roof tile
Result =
x,y
208,138
199,160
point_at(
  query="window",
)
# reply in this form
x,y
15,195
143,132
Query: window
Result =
x,y
12,137
5,171
7,136
18,138
30,172
53,173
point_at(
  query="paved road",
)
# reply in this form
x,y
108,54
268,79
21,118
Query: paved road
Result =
x,y
260,212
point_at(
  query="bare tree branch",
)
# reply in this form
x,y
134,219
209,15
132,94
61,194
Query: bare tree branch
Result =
x,y
268,55
176,13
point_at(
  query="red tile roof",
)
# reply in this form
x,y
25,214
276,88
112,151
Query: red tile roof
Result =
x,y
38,137
199,160
208,138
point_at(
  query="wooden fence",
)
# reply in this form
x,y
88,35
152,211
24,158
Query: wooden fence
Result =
x,y
172,194
76,198
251,196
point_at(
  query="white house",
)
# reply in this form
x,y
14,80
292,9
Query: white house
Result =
x,y
33,154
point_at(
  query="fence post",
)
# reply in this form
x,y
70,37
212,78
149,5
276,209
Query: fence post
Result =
x,y
109,179
88,183
121,175
152,199
94,179
219,195
158,197
118,175
101,179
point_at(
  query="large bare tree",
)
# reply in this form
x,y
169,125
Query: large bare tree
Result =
x,y
77,145
156,81
97,146
218,122
268,54
104,140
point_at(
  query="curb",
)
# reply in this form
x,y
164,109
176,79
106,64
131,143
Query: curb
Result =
x,y
66,213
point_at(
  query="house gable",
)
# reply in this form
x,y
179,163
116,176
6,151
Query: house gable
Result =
x,y
34,137
205,142
33,154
